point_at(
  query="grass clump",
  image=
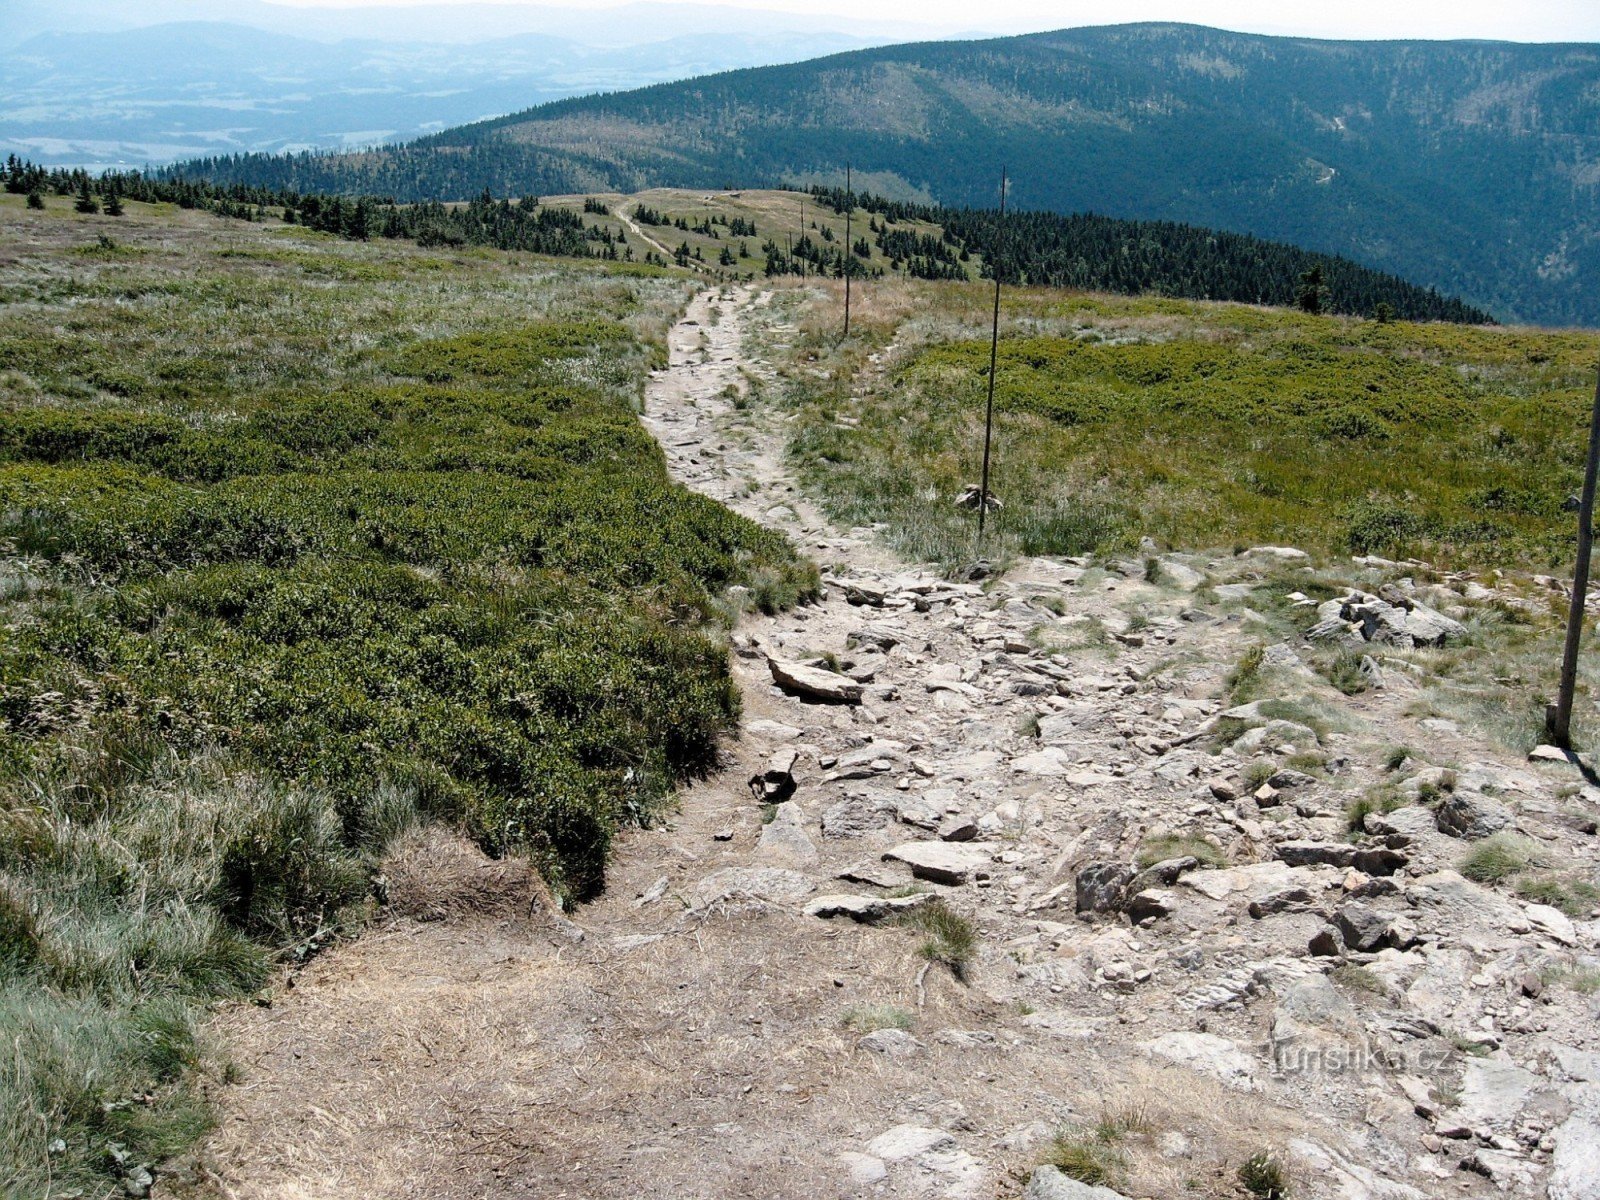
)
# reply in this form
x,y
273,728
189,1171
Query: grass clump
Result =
x,y
1380,798
1258,772
870,1017
1344,672
1497,858
1087,1157
1160,849
1263,1176
951,938
1245,676
1574,897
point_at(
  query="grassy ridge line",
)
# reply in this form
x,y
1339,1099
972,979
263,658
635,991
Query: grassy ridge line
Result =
x,y
1200,425
302,541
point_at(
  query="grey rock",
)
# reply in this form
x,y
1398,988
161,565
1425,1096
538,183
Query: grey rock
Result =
x,y
894,1043
1102,887
1164,873
1209,1054
958,829
771,884
1284,900
1470,815
1362,928
852,817
1048,1183
941,862
784,839
1150,904
866,910
908,1141
864,1169
814,682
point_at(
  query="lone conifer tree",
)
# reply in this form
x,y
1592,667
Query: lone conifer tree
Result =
x,y
1313,293
114,204
35,200
86,201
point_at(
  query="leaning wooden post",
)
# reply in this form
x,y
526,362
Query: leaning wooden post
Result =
x,y
994,361
849,254
1558,717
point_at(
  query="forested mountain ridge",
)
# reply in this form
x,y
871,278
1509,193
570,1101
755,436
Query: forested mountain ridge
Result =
x,y
1472,167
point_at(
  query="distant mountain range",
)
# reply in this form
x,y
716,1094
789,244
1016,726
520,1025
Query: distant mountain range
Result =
x,y
1473,167
110,84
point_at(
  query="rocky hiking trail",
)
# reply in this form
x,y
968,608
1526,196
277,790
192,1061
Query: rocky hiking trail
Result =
x,y
743,1015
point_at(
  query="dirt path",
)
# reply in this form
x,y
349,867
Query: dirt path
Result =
x,y
698,1033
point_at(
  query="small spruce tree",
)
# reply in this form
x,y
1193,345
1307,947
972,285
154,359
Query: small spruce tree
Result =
x,y
114,205
86,201
1313,294
35,200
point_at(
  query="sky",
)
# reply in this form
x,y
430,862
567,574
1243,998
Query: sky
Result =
x,y
1521,20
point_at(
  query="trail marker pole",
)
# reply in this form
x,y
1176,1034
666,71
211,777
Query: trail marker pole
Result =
x,y
994,362
1558,718
849,254
802,235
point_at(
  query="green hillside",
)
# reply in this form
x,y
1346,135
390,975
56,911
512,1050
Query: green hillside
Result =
x,y
1466,166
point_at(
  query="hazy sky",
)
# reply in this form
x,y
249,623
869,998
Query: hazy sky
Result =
x,y
1516,20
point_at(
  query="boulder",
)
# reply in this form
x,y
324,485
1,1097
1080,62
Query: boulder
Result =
x,y
1471,815
1150,905
1362,928
814,682
1102,887
950,863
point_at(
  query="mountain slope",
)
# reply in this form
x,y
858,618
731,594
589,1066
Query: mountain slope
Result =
x,y
1469,166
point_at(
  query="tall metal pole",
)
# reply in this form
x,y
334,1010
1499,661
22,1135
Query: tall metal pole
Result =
x,y
849,211
994,362
1559,716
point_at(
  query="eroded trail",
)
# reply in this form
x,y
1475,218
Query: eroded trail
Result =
x,y
699,1033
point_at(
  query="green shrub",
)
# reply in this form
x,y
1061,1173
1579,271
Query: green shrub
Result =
x,y
1263,1176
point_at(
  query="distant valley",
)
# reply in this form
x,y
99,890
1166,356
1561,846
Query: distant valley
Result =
x,y
190,89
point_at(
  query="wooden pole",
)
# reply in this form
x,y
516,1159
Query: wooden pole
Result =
x,y
1558,718
994,362
849,211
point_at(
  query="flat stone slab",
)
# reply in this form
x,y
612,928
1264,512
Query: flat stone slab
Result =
x,y
815,682
949,863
